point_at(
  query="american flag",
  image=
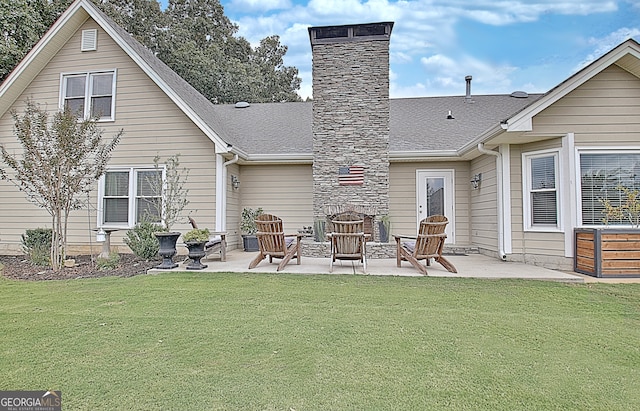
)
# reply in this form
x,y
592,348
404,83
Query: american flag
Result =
x,y
352,175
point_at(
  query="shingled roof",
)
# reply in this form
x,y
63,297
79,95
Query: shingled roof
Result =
x,y
416,124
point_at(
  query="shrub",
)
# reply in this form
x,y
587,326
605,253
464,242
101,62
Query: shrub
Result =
x,y
36,244
197,234
248,223
108,263
142,241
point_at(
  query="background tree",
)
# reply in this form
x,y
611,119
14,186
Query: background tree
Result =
x,y
193,37
61,160
272,80
22,23
201,46
143,19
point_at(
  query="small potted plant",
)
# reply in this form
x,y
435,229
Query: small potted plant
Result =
x,y
249,228
195,240
173,195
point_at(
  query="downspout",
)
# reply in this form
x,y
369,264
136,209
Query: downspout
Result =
x,y
221,190
500,192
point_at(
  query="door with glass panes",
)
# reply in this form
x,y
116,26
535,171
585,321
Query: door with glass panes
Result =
x,y
435,191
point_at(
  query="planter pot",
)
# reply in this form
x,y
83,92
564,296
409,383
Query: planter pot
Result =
x,y
250,242
167,249
318,231
384,232
607,252
196,252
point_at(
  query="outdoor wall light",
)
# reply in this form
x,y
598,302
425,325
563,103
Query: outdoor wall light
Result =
x,y
101,236
475,181
235,182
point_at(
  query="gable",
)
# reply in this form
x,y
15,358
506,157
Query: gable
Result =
x,y
607,103
626,56
186,98
142,109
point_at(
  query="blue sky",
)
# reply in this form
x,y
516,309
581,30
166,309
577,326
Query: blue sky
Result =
x,y
528,45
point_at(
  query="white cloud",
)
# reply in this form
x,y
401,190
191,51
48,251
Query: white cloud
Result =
x,y
604,44
427,55
259,5
412,90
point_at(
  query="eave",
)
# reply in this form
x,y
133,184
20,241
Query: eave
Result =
x,y
626,56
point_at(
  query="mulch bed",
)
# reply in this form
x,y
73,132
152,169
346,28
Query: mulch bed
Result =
x,y
20,268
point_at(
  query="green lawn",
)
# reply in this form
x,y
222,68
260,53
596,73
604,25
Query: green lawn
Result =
x,y
207,341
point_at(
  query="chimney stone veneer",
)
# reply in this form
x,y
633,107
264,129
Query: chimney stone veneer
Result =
x,y
350,116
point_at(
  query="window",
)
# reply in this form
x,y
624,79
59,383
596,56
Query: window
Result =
x,y
129,196
89,94
541,196
600,176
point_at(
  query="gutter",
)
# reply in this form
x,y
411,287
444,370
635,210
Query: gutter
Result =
x,y
221,190
500,191
423,155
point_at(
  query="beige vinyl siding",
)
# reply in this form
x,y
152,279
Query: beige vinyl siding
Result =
x,y
282,190
152,125
234,208
547,248
403,200
604,110
483,206
527,241
517,217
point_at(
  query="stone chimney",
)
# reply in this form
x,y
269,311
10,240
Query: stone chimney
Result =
x,y
351,118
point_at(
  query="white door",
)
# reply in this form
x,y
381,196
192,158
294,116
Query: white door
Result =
x,y
436,196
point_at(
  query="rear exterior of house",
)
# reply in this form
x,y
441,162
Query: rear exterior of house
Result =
x,y
530,157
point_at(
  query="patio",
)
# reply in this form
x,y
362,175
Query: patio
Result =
x,y
469,266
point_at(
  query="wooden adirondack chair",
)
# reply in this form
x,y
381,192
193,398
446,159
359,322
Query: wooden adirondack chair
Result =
x,y
273,243
348,240
427,245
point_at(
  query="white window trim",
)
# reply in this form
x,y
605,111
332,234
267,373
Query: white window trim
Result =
x,y
578,173
526,191
87,95
133,189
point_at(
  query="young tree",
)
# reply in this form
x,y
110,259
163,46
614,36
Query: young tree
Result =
x,y
170,190
61,160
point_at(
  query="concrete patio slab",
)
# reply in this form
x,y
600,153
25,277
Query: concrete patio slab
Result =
x,y
468,266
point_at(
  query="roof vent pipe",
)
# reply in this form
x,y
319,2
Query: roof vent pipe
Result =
x,y
467,97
